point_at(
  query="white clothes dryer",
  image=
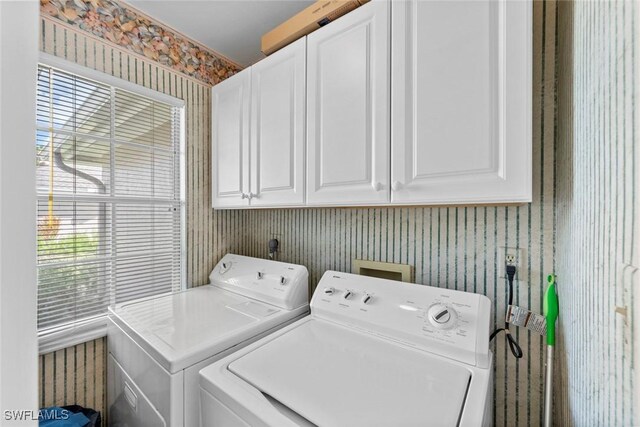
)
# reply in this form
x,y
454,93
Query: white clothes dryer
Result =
x,y
157,345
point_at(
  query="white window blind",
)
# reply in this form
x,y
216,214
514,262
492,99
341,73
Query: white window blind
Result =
x,y
109,202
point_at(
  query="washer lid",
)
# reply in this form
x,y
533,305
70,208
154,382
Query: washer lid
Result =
x,y
335,376
183,328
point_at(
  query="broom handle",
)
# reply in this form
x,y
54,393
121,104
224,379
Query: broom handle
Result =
x,y
548,388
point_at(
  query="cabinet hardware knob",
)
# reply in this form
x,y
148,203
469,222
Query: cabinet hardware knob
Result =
x,y
378,186
397,185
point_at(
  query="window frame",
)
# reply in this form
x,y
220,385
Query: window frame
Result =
x,y
85,330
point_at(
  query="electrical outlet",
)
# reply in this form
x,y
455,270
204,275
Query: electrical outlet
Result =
x,y
275,236
511,256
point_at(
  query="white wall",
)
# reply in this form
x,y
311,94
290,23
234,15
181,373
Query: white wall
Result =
x,y
18,336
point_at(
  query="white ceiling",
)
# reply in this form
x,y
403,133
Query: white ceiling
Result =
x,y
232,28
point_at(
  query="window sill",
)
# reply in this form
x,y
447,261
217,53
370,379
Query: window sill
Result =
x,y
73,334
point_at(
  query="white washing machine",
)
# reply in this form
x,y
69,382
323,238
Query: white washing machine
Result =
x,y
373,352
157,345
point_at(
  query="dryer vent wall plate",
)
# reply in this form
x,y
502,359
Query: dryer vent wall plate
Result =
x,y
383,270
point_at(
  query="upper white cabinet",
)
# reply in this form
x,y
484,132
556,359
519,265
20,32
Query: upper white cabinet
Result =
x,y
258,133
348,109
230,141
278,85
404,102
461,101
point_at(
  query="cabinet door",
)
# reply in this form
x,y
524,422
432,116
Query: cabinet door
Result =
x,y
348,109
278,127
230,141
461,101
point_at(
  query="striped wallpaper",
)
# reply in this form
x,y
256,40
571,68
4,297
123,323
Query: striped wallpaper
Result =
x,y
453,247
597,211
75,375
63,381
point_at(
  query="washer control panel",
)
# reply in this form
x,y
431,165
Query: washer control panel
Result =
x,y
451,323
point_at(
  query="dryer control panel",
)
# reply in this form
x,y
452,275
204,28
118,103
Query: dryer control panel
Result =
x,y
278,283
451,323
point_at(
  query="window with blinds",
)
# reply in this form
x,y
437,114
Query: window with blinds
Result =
x,y
109,202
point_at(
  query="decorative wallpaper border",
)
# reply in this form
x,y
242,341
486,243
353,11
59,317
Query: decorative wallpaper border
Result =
x,y
126,27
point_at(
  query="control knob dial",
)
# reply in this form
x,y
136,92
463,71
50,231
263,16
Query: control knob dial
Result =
x,y
442,316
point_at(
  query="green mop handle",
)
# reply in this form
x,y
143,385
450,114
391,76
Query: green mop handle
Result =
x,y
550,309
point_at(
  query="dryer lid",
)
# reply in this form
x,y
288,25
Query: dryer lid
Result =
x,y
335,376
182,328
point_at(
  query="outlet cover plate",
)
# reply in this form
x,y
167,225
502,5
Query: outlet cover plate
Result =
x,y
507,253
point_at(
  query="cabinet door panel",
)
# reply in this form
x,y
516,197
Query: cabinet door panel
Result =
x,y
461,101
230,141
348,109
277,127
